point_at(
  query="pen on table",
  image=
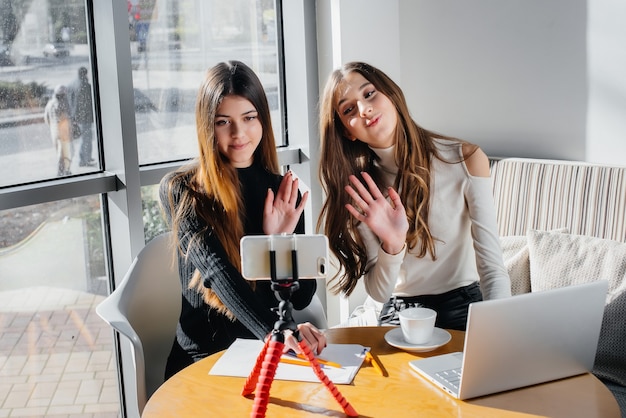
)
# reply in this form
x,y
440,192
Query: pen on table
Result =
x,y
295,361
321,361
369,357
303,358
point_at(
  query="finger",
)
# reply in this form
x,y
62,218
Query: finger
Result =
x,y
310,342
361,189
312,328
395,198
307,336
302,204
269,202
358,215
284,190
315,338
321,340
291,344
293,198
372,187
362,204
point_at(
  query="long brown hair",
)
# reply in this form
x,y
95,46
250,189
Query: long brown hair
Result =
x,y
215,194
341,157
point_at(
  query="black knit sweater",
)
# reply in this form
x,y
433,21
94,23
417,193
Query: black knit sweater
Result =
x,y
202,331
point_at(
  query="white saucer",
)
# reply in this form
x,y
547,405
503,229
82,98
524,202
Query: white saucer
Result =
x,y
396,339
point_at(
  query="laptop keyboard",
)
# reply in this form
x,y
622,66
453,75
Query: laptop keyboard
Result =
x,y
452,376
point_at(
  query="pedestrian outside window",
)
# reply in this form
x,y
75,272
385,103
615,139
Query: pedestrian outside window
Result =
x,y
46,132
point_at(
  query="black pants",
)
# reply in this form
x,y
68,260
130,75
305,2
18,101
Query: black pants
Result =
x,y
451,307
177,360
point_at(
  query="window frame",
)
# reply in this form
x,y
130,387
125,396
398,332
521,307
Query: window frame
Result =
x,y
120,180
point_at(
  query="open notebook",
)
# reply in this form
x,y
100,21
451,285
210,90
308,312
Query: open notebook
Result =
x,y
240,357
523,340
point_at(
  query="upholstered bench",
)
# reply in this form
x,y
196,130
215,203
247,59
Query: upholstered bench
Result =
x,y
563,223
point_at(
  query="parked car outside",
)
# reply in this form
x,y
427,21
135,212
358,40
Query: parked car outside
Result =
x,y
56,49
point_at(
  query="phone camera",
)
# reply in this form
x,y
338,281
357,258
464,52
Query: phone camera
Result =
x,y
322,266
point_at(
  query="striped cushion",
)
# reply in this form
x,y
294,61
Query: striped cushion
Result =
x,y
587,199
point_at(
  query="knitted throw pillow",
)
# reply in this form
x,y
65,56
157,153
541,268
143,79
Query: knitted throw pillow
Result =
x,y
516,261
558,259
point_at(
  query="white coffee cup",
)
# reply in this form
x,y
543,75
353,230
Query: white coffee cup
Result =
x,y
417,324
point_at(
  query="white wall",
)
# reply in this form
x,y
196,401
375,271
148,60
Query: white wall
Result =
x,y
606,63
508,75
349,30
542,78
527,78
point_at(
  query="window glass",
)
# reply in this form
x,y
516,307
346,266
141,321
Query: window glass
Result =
x,y
153,220
46,109
173,43
56,354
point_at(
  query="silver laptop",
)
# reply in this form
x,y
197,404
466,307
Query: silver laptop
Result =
x,y
521,341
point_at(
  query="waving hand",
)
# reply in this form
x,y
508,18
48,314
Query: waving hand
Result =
x,y
281,213
386,219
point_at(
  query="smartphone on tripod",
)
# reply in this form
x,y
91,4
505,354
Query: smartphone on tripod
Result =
x,y
310,252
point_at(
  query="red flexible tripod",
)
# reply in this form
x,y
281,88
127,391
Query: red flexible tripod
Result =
x,y
260,379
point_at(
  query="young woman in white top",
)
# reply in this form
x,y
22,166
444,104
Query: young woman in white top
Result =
x,y
408,210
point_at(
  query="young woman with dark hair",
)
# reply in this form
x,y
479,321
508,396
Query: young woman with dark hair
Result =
x,y
232,189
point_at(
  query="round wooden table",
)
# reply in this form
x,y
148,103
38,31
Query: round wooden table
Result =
x,y
194,393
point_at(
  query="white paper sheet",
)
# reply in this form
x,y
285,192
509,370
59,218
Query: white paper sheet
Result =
x,y
241,356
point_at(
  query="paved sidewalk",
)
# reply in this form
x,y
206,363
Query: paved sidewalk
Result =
x,y
56,354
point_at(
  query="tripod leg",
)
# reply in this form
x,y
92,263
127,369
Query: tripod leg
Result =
x,y
347,408
266,377
252,379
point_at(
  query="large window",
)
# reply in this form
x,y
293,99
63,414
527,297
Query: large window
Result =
x,y
172,45
96,104
47,63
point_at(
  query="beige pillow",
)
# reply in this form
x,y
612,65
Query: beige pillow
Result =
x,y
517,262
559,259
515,255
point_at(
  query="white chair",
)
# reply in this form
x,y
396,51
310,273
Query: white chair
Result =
x,y
145,308
314,313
